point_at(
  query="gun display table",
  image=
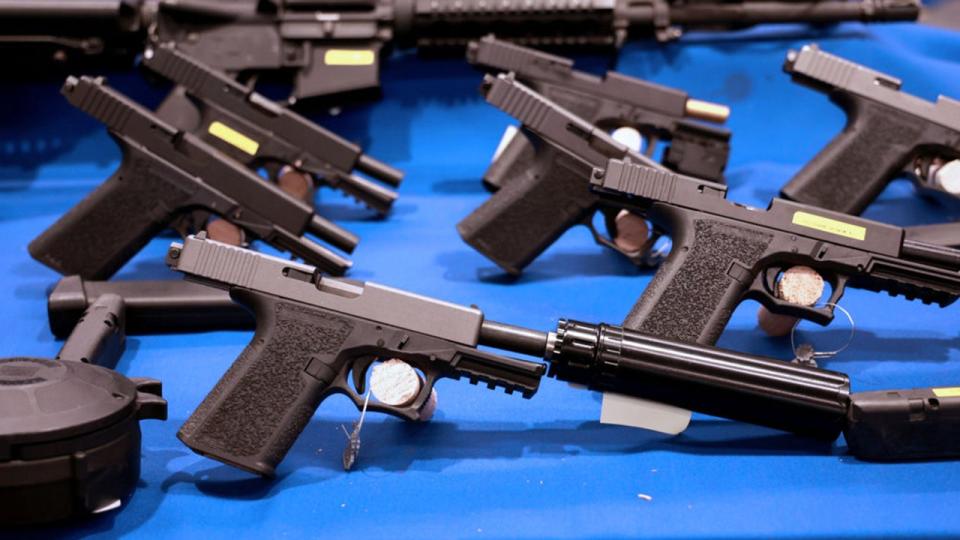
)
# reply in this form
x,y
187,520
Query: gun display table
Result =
x,y
491,465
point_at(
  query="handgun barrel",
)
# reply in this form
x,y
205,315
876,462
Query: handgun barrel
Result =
x,y
332,233
513,338
944,234
932,252
379,170
706,110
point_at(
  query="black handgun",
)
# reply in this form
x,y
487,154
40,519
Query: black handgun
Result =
x,y
658,113
166,173
722,252
318,335
725,252
888,132
254,130
525,216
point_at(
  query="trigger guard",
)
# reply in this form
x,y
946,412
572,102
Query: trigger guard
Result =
x,y
645,257
358,374
764,291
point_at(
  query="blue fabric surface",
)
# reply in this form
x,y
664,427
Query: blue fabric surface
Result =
x,y
492,465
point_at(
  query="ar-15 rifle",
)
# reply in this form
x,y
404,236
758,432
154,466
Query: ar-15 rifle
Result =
x,y
334,46
164,174
317,336
657,113
257,132
70,34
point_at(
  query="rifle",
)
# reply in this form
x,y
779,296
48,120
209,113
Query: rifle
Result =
x,y
332,47
255,131
888,131
166,173
317,336
65,34
659,113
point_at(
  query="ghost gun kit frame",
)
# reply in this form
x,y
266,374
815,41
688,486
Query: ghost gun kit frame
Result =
x,y
318,335
888,132
253,130
695,144
724,253
334,47
166,174
529,213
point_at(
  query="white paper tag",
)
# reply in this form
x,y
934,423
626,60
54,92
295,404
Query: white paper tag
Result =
x,y
622,410
508,135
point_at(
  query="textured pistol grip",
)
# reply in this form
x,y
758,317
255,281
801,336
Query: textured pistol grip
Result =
x,y
517,158
710,267
257,410
518,222
109,226
851,171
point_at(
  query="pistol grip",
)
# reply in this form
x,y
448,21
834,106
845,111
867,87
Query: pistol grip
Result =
x,y
711,266
254,414
527,214
516,159
851,171
111,224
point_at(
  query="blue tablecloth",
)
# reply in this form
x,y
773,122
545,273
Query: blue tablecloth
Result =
x,y
489,464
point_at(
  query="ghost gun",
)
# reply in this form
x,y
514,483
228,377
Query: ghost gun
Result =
x,y
318,335
528,214
724,253
164,174
696,145
252,129
888,132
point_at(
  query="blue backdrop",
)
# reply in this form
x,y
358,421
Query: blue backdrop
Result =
x,y
492,465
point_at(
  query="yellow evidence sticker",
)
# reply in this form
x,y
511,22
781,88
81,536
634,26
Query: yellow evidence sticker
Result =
x,y
953,391
234,137
827,225
347,57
